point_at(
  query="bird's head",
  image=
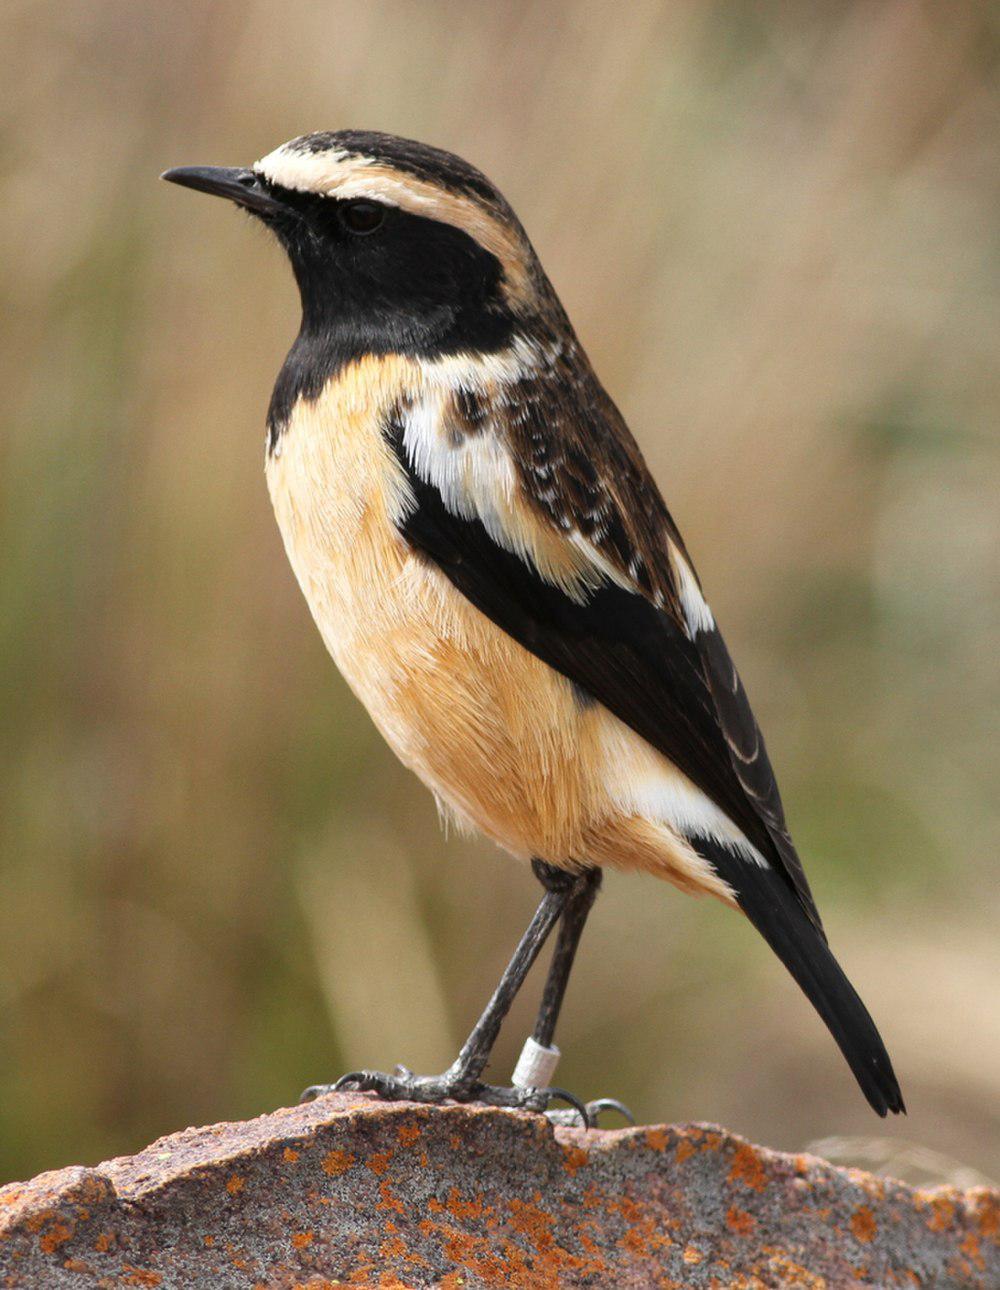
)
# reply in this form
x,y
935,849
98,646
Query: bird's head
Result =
x,y
396,246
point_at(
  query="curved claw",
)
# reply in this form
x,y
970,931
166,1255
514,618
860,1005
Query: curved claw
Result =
x,y
393,1088
314,1091
353,1081
581,1108
601,1104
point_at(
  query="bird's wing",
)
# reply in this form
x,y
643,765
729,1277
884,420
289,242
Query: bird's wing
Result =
x,y
534,500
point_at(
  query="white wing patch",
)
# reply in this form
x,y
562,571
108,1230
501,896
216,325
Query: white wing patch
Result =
x,y
641,781
488,373
475,476
697,614
477,479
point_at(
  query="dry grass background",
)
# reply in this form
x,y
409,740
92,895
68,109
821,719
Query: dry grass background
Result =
x,y
776,228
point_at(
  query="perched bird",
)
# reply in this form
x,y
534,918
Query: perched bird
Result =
x,y
492,567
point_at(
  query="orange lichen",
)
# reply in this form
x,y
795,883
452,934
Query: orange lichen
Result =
x,y
970,1248
636,1241
78,1265
360,1276
408,1134
463,1209
337,1162
379,1162
471,1251
943,1214
59,1232
792,1274
863,1225
747,1168
105,1242
37,1221
530,1220
656,1139
389,1201
235,1184
574,1158
589,1244
302,1239
629,1209
692,1255
739,1222
139,1276
685,1150
642,1234
394,1247
289,1155
500,1262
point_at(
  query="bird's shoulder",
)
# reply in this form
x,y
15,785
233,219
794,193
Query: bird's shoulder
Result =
x,y
581,468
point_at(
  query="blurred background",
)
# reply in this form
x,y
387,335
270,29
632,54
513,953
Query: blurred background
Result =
x,y
775,227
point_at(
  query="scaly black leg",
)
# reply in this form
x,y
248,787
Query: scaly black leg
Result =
x,y
461,1082
540,1051
578,907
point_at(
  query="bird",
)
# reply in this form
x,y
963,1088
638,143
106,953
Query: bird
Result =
x,y
493,569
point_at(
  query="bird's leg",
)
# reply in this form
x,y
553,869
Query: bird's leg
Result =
x,y
540,1056
574,918
460,1082
475,1052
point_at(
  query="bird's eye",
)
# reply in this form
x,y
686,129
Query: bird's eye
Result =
x,y
362,217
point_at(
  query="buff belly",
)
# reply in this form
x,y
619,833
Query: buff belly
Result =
x,y
502,740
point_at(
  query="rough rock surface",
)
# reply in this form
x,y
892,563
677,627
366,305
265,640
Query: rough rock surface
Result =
x,y
350,1191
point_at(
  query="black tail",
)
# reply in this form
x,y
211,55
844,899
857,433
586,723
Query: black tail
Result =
x,y
769,902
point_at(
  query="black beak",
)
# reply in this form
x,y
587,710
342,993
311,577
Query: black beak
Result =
x,y
241,186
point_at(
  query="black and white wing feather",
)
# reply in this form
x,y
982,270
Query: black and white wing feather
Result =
x,y
635,634
641,640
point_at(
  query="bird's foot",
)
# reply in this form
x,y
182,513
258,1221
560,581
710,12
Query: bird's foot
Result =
x,y
404,1086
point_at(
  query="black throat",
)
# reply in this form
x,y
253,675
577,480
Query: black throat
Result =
x,y
419,288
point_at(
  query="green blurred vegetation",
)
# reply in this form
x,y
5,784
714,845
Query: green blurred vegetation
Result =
x,y
776,228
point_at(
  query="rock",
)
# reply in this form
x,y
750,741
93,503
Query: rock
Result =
x,y
350,1190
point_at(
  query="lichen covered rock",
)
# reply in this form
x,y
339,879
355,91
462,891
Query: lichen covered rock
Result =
x,y
348,1190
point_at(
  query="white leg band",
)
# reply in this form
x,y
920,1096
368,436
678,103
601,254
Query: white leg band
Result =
x,y
536,1065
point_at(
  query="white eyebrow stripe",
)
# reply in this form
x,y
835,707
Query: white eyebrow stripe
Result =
x,y
336,173
339,180
306,172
